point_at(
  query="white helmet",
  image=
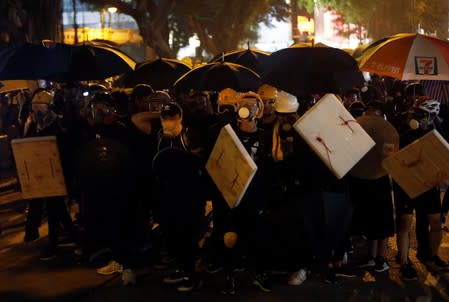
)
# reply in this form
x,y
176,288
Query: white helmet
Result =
x,y
431,106
286,103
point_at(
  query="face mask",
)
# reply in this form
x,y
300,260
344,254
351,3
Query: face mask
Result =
x,y
171,127
39,112
248,109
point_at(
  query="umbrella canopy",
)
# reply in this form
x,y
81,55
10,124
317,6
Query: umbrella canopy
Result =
x,y
250,58
407,57
85,62
159,74
218,76
12,85
307,44
25,61
305,70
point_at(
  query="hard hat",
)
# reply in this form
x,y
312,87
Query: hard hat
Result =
x,y
160,96
245,112
42,97
286,103
415,89
141,90
267,92
431,106
227,96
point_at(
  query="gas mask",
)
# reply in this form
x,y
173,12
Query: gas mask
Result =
x,y
248,109
101,114
286,121
268,108
420,119
197,105
171,126
39,112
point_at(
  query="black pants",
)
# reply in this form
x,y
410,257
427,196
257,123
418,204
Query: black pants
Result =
x,y
57,216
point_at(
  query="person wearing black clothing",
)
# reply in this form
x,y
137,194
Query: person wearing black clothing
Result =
x,y
106,172
177,167
244,228
287,206
427,205
44,122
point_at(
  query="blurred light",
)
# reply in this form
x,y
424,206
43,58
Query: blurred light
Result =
x,y
112,9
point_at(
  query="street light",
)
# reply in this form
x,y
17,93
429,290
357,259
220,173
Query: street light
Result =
x,y
112,9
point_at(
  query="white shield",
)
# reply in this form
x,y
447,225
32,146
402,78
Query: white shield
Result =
x,y
230,166
334,135
39,167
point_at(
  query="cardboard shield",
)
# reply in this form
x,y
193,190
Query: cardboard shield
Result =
x,y
334,135
387,142
421,165
39,167
230,166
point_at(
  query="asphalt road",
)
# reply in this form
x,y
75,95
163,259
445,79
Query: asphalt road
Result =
x,y
23,277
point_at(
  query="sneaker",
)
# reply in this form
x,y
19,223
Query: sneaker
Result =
x,y
408,272
188,284
368,262
213,269
381,265
49,253
113,267
345,258
331,277
175,277
423,258
263,282
344,271
297,278
66,241
31,237
128,277
440,263
229,286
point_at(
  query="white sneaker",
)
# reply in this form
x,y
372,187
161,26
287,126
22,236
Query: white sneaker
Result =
x,y
297,278
128,277
110,269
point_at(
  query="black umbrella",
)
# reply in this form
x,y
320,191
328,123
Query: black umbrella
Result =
x,y
85,62
307,70
25,61
159,74
250,58
218,76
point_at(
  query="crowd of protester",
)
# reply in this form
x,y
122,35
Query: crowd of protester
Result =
x,y
134,162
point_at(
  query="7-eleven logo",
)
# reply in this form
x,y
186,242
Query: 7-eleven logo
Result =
x,y
426,66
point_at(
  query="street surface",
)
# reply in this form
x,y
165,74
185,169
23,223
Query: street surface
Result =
x,y
23,277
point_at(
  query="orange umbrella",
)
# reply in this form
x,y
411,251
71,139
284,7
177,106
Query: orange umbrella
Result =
x,y
407,57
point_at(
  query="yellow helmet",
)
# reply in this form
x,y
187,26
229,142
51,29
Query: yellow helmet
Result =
x,y
227,96
267,92
42,97
244,101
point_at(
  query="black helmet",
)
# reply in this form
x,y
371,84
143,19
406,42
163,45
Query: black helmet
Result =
x,y
370,93
415,89
357,108
141,90
102,97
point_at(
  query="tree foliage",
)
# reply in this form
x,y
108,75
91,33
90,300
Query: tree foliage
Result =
x,y
30,20
385,18
220,24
